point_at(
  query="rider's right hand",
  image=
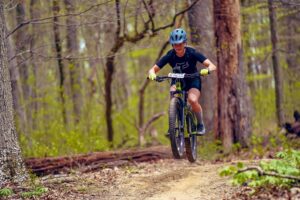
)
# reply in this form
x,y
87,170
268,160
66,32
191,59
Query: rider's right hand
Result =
x,y
152,76
204,72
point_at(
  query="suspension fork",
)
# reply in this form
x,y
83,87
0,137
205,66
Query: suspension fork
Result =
x,y
182,115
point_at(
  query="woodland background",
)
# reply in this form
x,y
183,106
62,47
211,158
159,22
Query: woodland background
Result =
x,y
78,69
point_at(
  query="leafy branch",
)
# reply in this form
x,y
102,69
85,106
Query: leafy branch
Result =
x,y
261,172
283,171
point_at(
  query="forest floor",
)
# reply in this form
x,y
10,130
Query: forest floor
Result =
x,y
161,178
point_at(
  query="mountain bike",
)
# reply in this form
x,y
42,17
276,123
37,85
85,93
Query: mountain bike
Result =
x,y
182,120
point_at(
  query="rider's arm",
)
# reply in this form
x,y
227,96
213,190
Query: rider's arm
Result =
x,y
210,66
154,69
152,72
205,61
159,64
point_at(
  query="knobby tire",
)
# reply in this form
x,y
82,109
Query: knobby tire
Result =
x,y
175,133
191,140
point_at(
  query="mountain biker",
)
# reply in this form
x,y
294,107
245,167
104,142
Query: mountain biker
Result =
x,y
183,59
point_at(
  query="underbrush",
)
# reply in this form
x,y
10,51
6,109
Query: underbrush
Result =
x,y
31,189
280,171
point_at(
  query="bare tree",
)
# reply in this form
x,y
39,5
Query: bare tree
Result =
x,y
11,164
58,48
233,102
276,67
16,87
23,67
74,67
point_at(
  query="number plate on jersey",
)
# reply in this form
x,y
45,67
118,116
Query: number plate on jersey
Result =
x,y
173,75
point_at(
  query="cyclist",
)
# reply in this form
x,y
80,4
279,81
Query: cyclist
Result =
x,y
183,59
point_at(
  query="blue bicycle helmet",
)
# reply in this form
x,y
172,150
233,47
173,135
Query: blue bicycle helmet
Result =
x,y
177,36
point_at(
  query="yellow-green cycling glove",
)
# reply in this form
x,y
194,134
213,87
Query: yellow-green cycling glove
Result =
x,y
152,76
204,72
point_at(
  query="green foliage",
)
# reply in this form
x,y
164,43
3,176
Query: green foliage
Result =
x,y
36,192
52,138
5,192
286,163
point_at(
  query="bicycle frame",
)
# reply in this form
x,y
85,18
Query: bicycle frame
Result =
x,y
183,105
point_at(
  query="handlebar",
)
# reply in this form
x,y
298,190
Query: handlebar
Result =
x,y
177,76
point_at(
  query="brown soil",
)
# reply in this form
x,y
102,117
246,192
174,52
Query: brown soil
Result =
x,y
137,175
133,174
162,180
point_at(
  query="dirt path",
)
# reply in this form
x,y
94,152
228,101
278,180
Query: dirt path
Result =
x,y
177,180
163,180
201,182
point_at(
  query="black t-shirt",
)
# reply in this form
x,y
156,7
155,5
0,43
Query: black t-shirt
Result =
x,y
184,64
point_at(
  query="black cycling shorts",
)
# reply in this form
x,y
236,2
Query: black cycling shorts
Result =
x,y
190,83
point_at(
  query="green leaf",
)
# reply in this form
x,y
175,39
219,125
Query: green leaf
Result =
x,y
5,192
38,191
228,170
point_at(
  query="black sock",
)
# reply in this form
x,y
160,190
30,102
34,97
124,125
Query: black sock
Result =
x,y
199,116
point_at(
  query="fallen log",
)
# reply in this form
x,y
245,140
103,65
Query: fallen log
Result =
x,y
95,161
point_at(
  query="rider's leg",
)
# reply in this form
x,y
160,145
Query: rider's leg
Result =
x,y
193,99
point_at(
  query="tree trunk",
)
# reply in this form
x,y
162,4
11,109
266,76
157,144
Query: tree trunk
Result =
x,y
202,37
276,67
233,102
58,48
108,75
11,164
72,50
16,89
21,48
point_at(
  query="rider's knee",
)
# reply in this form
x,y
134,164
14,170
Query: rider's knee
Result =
x,y
193,101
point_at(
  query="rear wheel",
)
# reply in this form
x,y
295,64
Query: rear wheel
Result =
x,y
175,132
191,140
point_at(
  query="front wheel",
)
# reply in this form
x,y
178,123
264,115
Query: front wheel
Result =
x,y
175,131
191,140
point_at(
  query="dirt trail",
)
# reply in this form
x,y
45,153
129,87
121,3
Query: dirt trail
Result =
x,y
201,182
176,180
166,179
